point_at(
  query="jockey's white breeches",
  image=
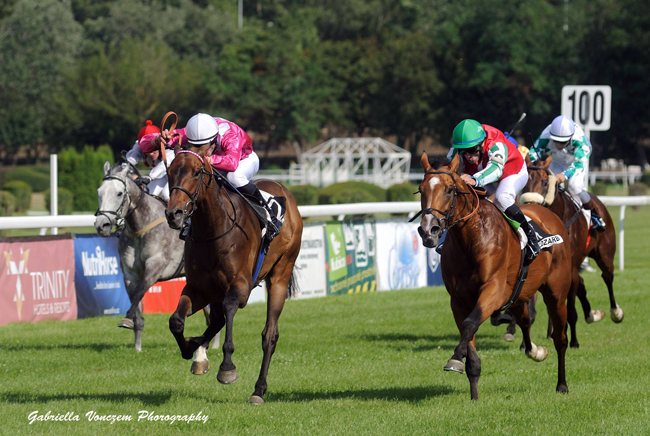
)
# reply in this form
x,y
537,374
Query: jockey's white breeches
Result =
x,y
247,168
159,188
576,182
505,190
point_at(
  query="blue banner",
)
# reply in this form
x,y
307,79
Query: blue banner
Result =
x,y
98,277
434,276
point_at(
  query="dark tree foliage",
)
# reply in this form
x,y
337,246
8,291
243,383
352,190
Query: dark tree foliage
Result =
x,y
300,71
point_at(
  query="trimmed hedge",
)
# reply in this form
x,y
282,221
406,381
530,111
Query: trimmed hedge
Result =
x,y
348,192
305,194
599,188
7,203
22,191
37,176
81,172
402,192
65,201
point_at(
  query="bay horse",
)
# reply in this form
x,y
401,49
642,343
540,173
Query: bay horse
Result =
x,y
221,254
149,250
480,261
542,188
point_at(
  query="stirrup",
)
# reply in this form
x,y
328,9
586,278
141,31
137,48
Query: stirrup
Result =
x,y
598,223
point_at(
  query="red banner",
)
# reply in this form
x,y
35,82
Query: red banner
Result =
x,y
163,296
37,280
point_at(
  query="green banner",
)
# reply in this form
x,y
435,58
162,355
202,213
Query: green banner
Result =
x,y
351,257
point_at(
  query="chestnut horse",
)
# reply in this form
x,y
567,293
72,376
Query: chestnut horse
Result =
x,y
542,188
221,254
480,261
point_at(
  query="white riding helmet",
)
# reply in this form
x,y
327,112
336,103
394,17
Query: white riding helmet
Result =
x,y
562,129
201,129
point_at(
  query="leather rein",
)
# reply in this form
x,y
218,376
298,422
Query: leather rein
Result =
x,y
194,197
449,215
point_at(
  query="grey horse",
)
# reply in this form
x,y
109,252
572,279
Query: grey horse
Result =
x,y
149,249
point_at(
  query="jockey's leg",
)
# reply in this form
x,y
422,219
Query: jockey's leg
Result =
x,y
240,179
577,188
504,199
159,188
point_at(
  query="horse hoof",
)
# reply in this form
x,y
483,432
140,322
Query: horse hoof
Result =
x,y
126,323
617,314
455,365
256,400
509,337
538,354
200,368
563,389
595,316
227,377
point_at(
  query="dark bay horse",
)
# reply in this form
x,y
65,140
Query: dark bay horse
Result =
x,y
542,188
221,254
149,250
480,261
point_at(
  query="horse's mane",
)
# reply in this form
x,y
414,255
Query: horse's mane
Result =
x,y
121,165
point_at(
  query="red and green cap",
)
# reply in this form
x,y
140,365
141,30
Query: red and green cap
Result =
x,y
467,134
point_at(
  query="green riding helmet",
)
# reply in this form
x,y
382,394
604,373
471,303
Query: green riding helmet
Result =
x,y
468,134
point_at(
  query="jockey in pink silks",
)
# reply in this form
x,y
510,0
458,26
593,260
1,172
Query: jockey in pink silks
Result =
x,y
233,154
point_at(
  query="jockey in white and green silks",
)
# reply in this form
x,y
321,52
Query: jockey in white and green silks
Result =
x,y
570,148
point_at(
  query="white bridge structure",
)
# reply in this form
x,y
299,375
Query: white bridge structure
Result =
x,y
372,160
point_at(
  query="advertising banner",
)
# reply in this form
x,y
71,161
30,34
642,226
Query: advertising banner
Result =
x,y
163,296
350,257
37,279
98,277
310,265
434,276
401,257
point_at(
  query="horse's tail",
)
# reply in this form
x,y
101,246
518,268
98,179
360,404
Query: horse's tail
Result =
x,y
293,288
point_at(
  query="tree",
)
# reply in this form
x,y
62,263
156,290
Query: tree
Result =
x,y
38,44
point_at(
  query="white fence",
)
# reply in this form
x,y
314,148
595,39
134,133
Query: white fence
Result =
x,y
339,210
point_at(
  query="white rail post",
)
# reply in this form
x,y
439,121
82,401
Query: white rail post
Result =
x,y
54,197
621,240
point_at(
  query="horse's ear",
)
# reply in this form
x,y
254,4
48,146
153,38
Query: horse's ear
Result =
x,y
455,162
547,162
528,162
107,167
177,147
424,161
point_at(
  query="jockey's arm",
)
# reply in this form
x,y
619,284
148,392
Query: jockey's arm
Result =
x,y
134,156
229,151
580,161
497,155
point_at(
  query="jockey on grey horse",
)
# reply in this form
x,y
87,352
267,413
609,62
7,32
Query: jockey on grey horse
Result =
x,y
150,250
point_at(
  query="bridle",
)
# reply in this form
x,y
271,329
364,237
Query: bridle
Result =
x,y
119,219
212,174
447,217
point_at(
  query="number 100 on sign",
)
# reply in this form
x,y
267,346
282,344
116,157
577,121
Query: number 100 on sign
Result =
x,y
589,106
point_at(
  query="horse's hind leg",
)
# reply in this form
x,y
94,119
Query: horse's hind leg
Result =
x,y
606,264
572,314
557,311
236,297
522,314
189,302
591,316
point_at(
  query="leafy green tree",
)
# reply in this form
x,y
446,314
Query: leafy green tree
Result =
x,y
38,44
81,173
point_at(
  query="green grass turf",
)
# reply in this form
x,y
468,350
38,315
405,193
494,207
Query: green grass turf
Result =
x,y
346,365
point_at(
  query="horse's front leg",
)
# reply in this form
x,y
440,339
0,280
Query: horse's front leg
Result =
x,y
201,365
236,297
190,301
521,314
153,269
468,324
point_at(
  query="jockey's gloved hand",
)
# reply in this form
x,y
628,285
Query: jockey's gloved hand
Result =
x,y
143,181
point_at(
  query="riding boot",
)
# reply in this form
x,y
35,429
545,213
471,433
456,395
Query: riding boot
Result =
x,y
514,213
598,221
273,226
